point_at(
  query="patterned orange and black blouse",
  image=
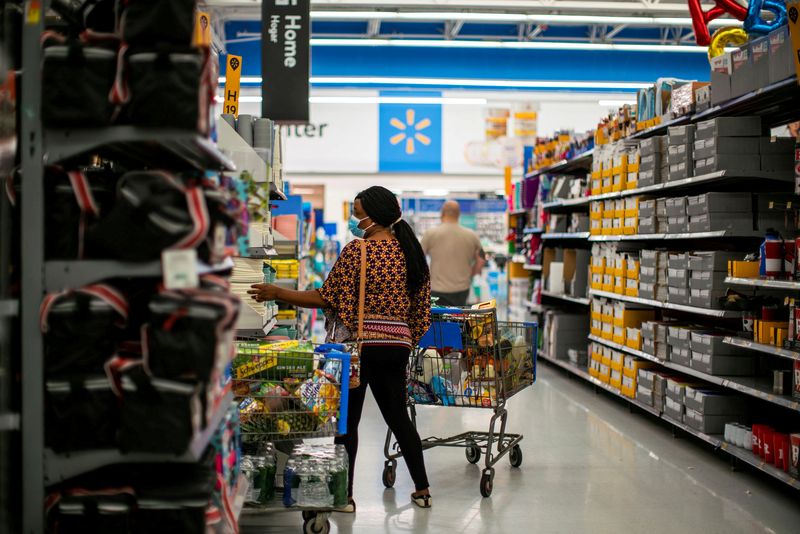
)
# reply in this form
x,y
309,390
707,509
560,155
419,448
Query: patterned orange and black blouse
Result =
x,y
392,316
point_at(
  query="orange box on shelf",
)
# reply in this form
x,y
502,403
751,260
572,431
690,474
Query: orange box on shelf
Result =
x,y
632,270
743,269
604,374
615,379
631,184
632,291
608,331
633,337
632,317
618,336
763,330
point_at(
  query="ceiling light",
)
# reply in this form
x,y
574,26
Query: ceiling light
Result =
x,y
510,45
459,101
454,82
436,192
511,18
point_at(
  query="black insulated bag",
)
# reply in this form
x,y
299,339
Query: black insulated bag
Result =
x,y
150,22
77,80
153,212
82,511
81,329
170,88
190,334
80,414
74,201
157,415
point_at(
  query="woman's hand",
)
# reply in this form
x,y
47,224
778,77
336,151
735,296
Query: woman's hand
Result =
x,y
263,292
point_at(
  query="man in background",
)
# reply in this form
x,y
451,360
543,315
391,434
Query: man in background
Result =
x,y
456,256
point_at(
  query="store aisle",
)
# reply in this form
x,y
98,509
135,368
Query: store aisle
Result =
x,y
589,466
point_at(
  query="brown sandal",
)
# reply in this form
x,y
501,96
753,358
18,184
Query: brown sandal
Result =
x,y
423,501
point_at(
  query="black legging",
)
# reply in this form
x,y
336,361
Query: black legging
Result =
x,y
384,370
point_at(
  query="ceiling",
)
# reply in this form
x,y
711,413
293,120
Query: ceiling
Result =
x,y
626,22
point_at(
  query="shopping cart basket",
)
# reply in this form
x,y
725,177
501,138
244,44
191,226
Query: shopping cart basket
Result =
x,y
290,392
470,359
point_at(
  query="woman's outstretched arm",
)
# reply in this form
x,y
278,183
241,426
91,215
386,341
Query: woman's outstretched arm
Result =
x,y
304,299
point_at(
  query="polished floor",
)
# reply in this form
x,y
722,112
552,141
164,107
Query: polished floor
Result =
x,y
589,466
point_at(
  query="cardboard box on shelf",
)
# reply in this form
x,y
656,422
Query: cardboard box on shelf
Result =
x,y
743,269
742,76
794,464
673,409
729,127
676,207
712,401
796,388
781,61
721,221
678,225
681,135
676,388
678,277
680,356
678,295
720,365
644,395
719,202
727,162
720,78
706,148
710,424
759,51
713,342
713,280
712,260
706,298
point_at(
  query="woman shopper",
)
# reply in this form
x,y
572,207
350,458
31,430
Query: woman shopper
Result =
x,y
396,315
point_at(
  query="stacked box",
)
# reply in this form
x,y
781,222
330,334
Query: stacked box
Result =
x,y
654,339
678,338
661,215
742,78
721,145
628,316
770,212
777,155
677,222
660,389
647,216
563,332
681,147
652,160
678,277
720,78
711,356
708,409
708,271
653,275
781,60
713,212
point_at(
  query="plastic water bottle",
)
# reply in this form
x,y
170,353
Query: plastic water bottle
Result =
x,y
290,483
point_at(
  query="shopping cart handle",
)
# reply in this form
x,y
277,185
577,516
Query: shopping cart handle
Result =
x,y
447,311
330,347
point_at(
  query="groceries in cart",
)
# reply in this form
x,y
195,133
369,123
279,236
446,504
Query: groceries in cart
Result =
x,y
467,357
286,390
316,477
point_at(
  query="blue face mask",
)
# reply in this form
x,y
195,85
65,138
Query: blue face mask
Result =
x,y
353,226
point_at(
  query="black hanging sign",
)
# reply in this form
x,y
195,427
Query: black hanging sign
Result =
x,y
285,59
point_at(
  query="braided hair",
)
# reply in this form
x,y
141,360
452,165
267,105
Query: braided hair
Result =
x,y
383,208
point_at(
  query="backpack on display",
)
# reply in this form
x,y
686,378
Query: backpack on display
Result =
x,y
81,329
146,22
74,201
180,408
181,80
77,80
190,334
80,414
153,212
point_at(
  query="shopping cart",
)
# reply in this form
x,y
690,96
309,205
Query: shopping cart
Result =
x,y
470,359
288,393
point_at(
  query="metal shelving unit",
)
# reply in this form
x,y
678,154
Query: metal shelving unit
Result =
x,y
578,163
565,235
715,441
723,314
753,387
675,237
569,298
136,146
766,284
760,347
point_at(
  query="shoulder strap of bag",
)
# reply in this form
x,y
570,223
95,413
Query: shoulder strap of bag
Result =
x,y
362,290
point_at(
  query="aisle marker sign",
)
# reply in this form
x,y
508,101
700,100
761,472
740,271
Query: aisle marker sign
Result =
x,y
233,77
202,30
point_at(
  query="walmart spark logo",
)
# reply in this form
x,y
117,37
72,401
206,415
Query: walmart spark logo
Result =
x,y
410,137
410,131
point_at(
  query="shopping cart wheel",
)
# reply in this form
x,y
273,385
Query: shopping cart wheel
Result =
x,y
317,525
487,483
515,456
308,515
473,453
389,473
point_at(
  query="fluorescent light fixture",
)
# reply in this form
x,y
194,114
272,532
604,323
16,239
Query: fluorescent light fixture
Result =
x,y
453,101
511,45
511,18
455,82
616,102
436,192
459,101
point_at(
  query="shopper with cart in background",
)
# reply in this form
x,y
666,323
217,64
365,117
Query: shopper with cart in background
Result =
x,y
456,256
395,314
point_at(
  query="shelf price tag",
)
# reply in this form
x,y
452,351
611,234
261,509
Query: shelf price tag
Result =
x,y
233,77
180,269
